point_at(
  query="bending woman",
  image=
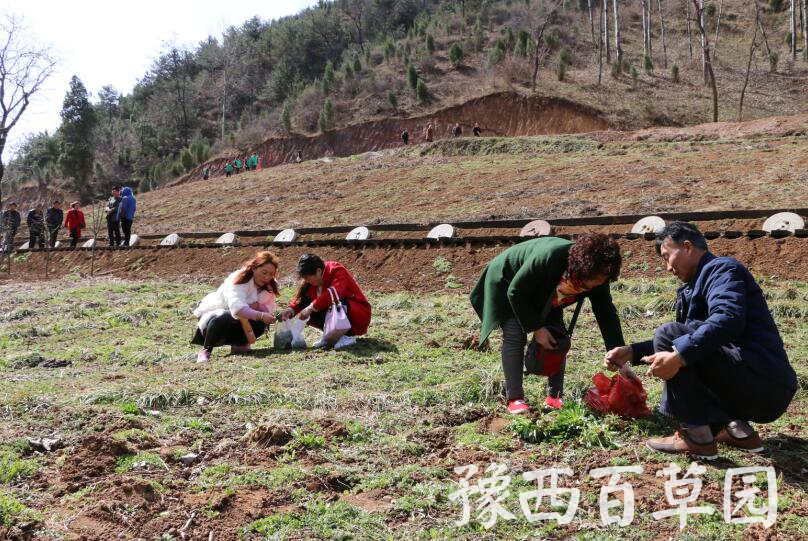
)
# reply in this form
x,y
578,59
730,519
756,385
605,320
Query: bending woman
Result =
x,y
525,288
247,293
313,299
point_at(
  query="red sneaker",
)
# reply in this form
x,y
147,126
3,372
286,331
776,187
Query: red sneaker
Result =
x,y
553,403
518,406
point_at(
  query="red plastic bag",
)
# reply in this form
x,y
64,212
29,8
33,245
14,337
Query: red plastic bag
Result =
x,y
622,394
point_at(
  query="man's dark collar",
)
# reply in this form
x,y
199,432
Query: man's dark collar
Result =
x,y
705,258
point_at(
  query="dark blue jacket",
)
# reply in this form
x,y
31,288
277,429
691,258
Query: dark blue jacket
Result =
x,y
728,309
126,208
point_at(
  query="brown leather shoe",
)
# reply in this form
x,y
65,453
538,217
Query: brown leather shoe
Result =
x,y
680,443
752,443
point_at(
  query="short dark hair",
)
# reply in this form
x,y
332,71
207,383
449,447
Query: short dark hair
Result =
x,y
593,255
308,264
679,232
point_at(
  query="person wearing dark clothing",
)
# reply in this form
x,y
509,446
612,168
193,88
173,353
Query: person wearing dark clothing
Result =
x,y
476,130
126,213
405,136
74,223
36,228
228,169
10,223
206,173
113,225
53,219
722,360
525,288
457,130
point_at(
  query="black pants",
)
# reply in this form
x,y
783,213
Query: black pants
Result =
x,y
75,234
36,237
225,330
126,225
228,173
114,232
53,234
514,340
8,239
720,388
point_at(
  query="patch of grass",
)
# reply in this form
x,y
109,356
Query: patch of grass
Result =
x,y
127,463
469,435
442,265
227,475
337,520
129,408
13,466
307,439
13,511
572,423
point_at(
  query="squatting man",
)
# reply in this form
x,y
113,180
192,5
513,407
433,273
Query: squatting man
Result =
x,y
722,360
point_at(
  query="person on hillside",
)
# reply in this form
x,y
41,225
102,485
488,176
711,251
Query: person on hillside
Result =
x,y
247,293
476,130
313,299
722,360
525,289
206,173
74,223
299,156
126,213
429,133
237,165
405,136
10,224
457,131
36,227
228,168
113,224
53,219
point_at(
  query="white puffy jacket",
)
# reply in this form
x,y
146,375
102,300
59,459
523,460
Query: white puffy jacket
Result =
x,y
231,297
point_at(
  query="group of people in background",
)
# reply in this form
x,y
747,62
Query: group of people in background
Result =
x,y
429,132
250,163
120,214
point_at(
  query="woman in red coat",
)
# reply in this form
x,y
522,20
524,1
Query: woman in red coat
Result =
x,y
313,300
74,222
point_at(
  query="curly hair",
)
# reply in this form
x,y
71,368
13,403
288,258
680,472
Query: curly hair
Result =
x,y
594,254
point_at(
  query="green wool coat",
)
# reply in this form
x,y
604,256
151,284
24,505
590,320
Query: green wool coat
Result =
x,y
521,282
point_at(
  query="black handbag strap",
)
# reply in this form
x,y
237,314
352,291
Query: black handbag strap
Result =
x,y
574,319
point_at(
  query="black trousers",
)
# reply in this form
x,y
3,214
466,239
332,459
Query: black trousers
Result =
x,y
36,237
720,388
114,232
53,234
225,330
75,234
126,225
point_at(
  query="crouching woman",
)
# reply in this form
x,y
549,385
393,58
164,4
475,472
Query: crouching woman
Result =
x,y
313,299
249,294
525,288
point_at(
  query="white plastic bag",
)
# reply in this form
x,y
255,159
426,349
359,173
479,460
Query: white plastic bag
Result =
x,y
289,334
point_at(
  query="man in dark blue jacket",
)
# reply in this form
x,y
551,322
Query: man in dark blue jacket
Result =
x,y
126,213
723,360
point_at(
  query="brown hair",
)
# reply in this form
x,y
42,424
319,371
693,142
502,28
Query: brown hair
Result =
x,y
594,254
260,259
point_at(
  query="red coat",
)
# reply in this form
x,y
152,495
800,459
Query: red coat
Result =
x,y
337,276
74,219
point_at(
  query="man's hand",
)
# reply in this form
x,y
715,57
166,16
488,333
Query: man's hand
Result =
x,y
664,364
544,338
617,357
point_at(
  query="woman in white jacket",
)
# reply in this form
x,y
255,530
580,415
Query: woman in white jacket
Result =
x,y
247,293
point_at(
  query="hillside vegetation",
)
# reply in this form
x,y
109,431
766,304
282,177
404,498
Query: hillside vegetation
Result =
x,y
344,62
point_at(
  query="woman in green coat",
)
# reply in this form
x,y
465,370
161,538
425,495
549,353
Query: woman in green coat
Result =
x,y
525,288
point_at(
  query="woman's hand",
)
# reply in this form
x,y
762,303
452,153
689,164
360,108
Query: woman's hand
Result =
x,y
306,312
267,317
544,338
617,357
287,314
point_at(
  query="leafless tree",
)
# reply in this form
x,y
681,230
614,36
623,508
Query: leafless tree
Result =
x,y
703,31
646,28
717,26
793,17
618,46
752,47
705,51
603,19
539,34
804,30
689,33
604,16
591,21
354,13
662,27
24,67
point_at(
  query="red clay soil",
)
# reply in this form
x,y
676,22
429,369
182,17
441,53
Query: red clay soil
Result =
x,y
385,269
502,114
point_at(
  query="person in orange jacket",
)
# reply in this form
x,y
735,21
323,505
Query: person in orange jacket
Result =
x,y
74,222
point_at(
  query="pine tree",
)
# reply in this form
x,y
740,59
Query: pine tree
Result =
x,y
76,152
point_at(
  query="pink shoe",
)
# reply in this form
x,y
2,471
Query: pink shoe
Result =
x,y
553,403
518,406
240,350
203,356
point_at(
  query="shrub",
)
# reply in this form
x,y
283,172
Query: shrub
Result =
x,y
393,99
186,159
495,56
675,73
412,77
648,65
430,43
421,91
788,39
326,116
615,71
328,77
510,41
634,75
561,64
456,54
775,5
348,72
389,51
357,65
774,58
287,117
478,39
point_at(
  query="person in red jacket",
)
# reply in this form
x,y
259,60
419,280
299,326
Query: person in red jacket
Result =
x,y
313,300
74,222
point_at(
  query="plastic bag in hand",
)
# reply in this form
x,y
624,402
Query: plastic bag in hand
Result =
x,y
289,334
